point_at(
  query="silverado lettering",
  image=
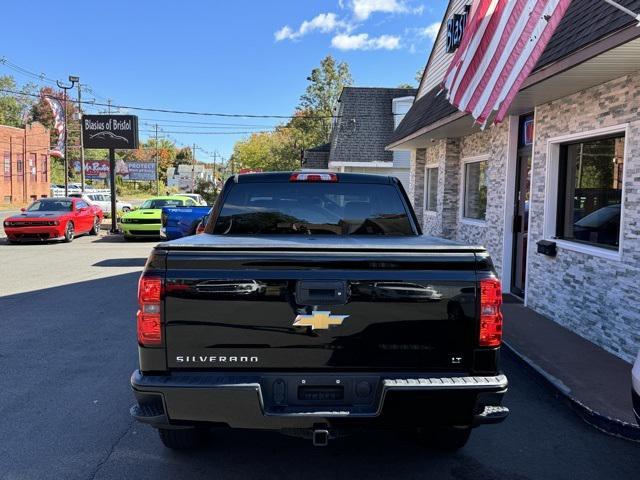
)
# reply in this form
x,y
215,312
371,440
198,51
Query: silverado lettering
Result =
x,y
354,318
213,359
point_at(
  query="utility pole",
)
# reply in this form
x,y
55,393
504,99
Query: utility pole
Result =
x,y
108,105
82,179
64,87
157,165
215,154
193,169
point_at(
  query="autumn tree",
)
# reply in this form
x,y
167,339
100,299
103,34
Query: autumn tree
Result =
x,y
270,151
321,96
309,126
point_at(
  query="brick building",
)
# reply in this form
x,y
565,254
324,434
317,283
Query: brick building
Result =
x,y
24,159
561,171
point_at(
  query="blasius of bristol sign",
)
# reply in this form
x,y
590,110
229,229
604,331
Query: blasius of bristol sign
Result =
x,y
110,131
455,29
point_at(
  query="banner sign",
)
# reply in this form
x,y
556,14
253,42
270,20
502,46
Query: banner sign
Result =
x,y
93,169
110,131
58,118
136,171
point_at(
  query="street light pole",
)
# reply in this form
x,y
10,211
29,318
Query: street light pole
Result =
x,y
64,87
82,179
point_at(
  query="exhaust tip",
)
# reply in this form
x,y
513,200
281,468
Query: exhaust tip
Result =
x,y
320,438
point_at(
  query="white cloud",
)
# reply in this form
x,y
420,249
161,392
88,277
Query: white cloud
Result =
x,y
284,33
362,9
362,41
430,31
324,22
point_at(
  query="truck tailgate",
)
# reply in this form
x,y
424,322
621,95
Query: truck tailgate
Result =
x,y
313,310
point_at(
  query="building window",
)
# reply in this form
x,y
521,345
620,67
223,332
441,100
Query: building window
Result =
x,y
20,165
430,188
474,204
7,199
590,179
7,167
33,176
44,168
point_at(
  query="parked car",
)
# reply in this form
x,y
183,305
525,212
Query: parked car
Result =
x,y
103,201
178,222
54,219
269,320
196,197
599,226
635,390
145,221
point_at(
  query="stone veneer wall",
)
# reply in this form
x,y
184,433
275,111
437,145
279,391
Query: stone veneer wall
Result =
x,y
447,155
492,142
416,182
595,297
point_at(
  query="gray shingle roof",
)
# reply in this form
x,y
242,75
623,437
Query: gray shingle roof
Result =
x,y
365,124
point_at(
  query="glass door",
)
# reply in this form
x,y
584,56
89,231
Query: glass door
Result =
x,y
521,205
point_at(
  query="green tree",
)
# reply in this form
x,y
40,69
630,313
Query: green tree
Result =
x,y
270,151
184,155
14,108
207,190
321,95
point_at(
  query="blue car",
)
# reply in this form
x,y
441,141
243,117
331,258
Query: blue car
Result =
x,y
178,222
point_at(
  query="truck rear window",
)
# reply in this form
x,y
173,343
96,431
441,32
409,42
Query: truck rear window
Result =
x,y
314,208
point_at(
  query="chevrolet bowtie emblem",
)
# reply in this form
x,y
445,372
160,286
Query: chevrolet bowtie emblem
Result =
x,y
318,320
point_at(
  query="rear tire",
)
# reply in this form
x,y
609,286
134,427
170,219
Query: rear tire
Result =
x,y
183,439
448,439
95,230
69,232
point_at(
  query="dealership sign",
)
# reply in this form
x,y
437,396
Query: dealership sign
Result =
x,y
136,171
110,131
455,29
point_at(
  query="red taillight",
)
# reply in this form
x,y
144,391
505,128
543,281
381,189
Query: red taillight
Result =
x,y
313,177
149,298
490,314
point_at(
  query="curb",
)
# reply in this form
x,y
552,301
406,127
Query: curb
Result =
x,y
600,421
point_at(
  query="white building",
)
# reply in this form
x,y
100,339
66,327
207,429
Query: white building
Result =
x,y
185,177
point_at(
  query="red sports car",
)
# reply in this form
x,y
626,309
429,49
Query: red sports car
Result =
x,y
54,219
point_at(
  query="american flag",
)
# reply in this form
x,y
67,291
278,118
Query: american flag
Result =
x,y
502,42
58,117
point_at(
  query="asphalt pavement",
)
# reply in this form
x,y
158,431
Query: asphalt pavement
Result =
x,y
67,349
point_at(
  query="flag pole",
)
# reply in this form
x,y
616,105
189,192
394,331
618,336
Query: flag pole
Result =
x,y
625,10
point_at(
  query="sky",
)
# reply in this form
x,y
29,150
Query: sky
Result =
x,y
239,57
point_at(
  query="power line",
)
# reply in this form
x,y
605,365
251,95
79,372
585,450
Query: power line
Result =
x,y
209,133
17,68
192,122
208,114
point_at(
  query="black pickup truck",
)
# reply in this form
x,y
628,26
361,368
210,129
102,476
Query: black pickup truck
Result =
x,y
313,305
